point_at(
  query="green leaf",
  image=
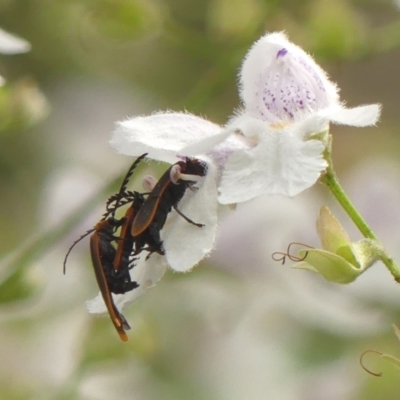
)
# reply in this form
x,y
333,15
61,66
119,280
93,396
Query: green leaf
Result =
x,y
392,360
331,266
332,235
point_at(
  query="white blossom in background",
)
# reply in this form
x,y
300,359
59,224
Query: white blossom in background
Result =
x,y
286,98
10,44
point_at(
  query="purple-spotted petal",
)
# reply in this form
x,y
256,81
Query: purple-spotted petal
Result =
x,y
280,82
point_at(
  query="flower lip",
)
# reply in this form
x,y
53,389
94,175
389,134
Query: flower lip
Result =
x,y
185,244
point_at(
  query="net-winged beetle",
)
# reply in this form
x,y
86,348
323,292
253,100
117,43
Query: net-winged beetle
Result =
x,y
103,254
139,230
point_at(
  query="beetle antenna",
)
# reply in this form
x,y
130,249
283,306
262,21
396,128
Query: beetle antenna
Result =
x,y
129,173
187,218
73,245
122,190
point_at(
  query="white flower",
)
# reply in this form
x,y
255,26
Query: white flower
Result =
x,y
162,136
10,44
287,97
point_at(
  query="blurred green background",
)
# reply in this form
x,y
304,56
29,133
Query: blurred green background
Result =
x,y
240,326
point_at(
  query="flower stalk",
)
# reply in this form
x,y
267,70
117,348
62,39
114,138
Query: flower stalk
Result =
x,y
330,179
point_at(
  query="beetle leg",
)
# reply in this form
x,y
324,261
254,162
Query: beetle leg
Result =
x,y
176,175
124,322
155,235
190,178
192,187
187,218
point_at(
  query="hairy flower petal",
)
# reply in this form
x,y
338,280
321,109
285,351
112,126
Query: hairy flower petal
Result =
x,y
281,163
146,273
186,244
162,135
357,116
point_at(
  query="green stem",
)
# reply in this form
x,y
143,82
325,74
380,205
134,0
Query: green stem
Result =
x,y
331,181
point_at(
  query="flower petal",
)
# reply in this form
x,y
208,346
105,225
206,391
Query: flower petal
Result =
x,y
281,163
162,135
186,244
252,127
218,147
281,82
358,116
205,145
248,125
146,273
10,44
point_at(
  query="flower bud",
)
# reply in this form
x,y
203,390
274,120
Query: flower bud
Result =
x,y
339,260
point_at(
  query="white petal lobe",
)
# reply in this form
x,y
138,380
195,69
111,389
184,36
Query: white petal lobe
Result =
x,y
186,244
281,163
205,145
358,116
161,135
146,273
